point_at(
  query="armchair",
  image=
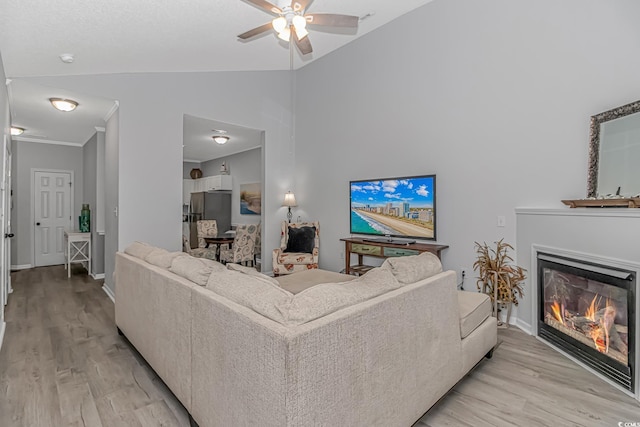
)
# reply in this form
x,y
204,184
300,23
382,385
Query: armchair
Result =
x,y
242,250
300,252
206,228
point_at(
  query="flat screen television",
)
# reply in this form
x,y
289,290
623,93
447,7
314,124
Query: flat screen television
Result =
x,y
399,209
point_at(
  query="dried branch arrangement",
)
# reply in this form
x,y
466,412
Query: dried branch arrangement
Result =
x,y
495,264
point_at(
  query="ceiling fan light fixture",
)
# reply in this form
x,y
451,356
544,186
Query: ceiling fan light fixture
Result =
x,y
285,34
299,24
279,24
65,105
15,131
221,139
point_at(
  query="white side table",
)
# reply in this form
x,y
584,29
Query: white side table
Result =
x,y
77,249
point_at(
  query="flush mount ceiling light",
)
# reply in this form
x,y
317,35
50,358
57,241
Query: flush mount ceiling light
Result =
x,y
220,139
15,131
63,104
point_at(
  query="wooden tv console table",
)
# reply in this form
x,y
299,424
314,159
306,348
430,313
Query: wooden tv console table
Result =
x,y
381,249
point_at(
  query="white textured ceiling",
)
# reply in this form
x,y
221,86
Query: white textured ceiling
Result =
x,y
125,36
136,36
198,146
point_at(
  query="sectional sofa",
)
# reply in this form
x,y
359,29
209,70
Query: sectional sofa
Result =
x,y
237,349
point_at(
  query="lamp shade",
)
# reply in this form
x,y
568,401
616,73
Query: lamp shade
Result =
x,y
289,200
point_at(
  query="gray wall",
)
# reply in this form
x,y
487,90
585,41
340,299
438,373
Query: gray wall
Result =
x,y
244,168
90,196
28,155
494,97
186,169
111,191
152,107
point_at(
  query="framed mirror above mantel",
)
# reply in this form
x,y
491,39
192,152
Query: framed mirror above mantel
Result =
x,y
613,178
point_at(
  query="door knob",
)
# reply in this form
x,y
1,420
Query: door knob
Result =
x,y
8,235
37,223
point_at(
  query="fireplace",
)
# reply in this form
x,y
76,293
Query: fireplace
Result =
x,y
588,311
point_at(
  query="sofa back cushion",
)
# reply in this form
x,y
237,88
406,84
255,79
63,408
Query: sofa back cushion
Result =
x,y
162,258
197,270
326,298
256,293
139,249
250,271
410,269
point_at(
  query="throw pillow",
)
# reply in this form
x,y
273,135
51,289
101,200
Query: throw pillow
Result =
x,y
410,269
250,271
301,239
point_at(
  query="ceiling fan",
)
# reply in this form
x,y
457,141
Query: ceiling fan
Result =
x,y
291,21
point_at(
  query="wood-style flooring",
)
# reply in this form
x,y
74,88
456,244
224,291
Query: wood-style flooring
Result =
x,y
63,364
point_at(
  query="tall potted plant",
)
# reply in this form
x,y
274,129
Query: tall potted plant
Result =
x,y
498,278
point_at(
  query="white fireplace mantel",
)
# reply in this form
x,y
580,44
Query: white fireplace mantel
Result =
x,y
606,235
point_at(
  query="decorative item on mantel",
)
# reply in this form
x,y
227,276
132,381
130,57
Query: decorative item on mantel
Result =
x,y
605,202
498,278
195,173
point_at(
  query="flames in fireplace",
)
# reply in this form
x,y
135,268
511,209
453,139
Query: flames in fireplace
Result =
x,y
596,326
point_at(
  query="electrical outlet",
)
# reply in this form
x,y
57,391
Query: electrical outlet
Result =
x,y
502,221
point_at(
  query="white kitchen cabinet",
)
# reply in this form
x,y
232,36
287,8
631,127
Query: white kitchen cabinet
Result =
x,y
216,183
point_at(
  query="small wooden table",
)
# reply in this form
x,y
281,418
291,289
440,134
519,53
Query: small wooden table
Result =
x,y
220,240
380,249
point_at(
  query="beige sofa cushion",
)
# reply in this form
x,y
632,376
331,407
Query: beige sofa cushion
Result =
x,y
162,258
410,269
251,272
256,293
474,309
197,270
298,282
326,298
139,249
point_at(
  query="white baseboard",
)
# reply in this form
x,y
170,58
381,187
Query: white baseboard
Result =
x,y
524,326
3,326
98,276
21,267
110,294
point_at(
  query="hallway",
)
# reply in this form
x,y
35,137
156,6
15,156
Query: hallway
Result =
x,y
62,362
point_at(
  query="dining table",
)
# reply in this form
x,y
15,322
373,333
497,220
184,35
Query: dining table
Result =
x,y
225,239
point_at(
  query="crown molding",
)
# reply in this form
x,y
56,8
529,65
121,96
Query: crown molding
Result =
x,y
46,141
113,109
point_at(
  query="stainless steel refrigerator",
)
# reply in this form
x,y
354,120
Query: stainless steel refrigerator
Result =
x,y
216,205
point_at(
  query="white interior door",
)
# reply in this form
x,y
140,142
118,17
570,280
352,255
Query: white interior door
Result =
x,y
5,223
52,215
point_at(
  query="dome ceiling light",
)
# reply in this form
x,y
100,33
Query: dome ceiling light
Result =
x,y
65,105
15,131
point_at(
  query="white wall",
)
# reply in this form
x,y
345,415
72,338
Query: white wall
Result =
x,y
5,124
151,113
493,96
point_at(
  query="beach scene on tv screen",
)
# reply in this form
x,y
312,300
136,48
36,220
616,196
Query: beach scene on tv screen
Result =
x,y
397,207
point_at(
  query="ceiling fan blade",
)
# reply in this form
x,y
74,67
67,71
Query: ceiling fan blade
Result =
x,y
258,30
332,20
304,45
297,5
266,6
